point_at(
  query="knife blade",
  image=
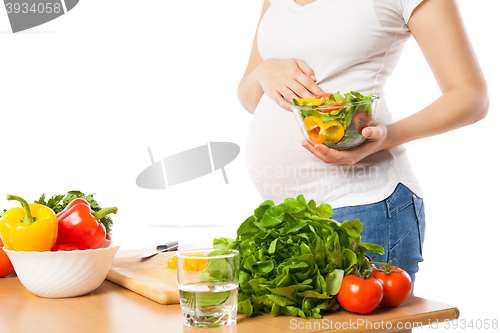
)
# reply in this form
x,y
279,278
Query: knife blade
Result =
x,y
169,246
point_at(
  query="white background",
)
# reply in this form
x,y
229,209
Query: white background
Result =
x,y
83,96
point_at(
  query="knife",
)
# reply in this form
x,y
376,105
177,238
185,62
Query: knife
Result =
x,y
169,246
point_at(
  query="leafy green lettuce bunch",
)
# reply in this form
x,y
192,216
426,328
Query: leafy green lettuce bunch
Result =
x,y
293,258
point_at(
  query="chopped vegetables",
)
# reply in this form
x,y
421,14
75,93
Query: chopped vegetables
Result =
x,y
195,264
172,263
320,132
311,101
352,111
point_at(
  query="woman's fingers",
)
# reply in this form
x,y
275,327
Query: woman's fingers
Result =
x,y
332,156
280,99
299,90
305,68
324,153
377,139
285,95
286,79
309,84
307,144
374,132
308,80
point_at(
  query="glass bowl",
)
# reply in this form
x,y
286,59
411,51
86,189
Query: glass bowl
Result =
x,y
339,125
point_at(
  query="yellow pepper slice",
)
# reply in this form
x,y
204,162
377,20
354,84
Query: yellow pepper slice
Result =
x,y
172,262
189,264
31,228
312,124
320,132
310,101
334,133
195,264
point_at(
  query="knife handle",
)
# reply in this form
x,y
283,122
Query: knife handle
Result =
x,y
169,246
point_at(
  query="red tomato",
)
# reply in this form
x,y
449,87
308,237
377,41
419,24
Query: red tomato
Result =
x,y
360,295
6,267
324,108
324,95
397,286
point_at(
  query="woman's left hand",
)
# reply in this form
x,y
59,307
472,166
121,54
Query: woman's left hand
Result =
x,y
376,140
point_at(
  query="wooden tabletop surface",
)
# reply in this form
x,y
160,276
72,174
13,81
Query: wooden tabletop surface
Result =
x,y
111,308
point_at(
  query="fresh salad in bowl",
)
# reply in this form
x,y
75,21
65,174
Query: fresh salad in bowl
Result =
x,y
335,120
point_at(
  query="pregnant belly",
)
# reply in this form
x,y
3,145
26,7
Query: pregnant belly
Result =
x,y
273,133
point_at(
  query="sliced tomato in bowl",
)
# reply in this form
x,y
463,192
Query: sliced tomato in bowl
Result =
x,y
325,108
325,96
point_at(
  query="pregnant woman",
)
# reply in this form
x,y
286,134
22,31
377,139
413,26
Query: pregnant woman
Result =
x,y
308,47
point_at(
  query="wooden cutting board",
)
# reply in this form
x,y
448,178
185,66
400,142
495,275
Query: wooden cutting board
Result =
x,y
148,277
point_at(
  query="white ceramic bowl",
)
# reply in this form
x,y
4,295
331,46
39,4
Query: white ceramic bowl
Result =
x,y
64,273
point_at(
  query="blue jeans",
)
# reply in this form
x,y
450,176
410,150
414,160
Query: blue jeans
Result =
x,y
396,223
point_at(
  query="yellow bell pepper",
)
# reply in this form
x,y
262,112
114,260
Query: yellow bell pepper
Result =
x,y
310,101
31,228
189,264
320,132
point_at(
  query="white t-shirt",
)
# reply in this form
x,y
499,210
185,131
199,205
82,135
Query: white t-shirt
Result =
x,y
352,45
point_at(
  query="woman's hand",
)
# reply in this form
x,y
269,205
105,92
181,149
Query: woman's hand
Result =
x,y
286,79
377,139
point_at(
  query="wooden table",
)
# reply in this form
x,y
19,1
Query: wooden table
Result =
x,y
111,308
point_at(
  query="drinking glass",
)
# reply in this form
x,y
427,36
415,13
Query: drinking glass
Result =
x,y
208,285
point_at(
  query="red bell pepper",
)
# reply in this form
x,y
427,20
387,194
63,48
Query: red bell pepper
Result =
x,y
79,228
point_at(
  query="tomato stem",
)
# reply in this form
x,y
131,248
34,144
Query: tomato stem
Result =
x,y
363,271
386,266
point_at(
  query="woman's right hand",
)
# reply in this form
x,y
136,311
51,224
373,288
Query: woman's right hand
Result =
x,y
286,79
